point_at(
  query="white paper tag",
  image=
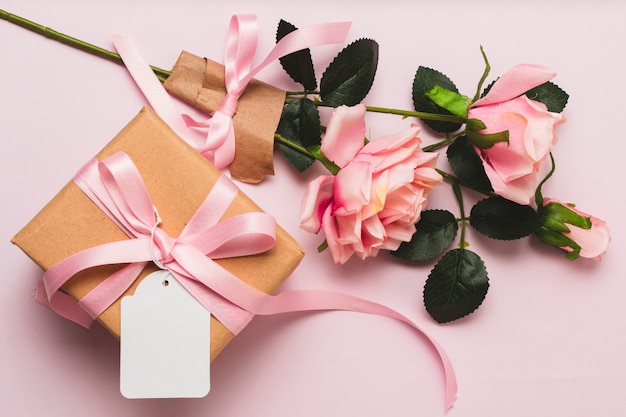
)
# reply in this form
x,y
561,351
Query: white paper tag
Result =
x,y
165,341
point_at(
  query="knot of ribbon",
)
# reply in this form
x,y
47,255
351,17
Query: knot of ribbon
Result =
x,y
218,144
116,186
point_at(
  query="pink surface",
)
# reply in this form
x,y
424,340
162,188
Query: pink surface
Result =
x,y
550,337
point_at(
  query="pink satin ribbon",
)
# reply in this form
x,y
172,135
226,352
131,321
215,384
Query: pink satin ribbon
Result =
x,y
116,186
218,144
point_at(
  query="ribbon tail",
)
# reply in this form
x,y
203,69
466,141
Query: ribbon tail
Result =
x,y
248,298
152,89
313,300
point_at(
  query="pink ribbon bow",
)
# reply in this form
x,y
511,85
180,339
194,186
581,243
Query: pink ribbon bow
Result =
x,y
218,145
116,186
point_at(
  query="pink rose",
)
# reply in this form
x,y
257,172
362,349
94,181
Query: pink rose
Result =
x,y
378,195
573,230
514,168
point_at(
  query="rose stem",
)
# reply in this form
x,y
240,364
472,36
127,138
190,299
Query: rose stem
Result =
x,y
403,113
73,42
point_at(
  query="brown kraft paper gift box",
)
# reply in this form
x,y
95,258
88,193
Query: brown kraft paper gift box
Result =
x,y
178,179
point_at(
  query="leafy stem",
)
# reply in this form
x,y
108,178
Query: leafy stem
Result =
x,y
420,114
484,76
73,42
301,93
459,198
456,180
538,194
162,74
315,153
384,110
447,141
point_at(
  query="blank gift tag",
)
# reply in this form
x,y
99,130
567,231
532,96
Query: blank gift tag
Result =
x,y
165,341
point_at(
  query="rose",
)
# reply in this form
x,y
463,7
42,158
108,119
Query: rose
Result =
x,y
572,230
513,168
378,194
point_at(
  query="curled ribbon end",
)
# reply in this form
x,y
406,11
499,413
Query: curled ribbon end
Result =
x,y
450,399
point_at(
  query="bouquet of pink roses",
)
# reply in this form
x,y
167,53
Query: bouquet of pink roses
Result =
x,y
499,143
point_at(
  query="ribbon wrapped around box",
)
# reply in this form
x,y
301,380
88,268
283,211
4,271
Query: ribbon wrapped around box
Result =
x,y
178,179
200,82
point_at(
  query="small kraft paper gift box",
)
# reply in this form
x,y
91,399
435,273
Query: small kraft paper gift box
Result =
x,y
178,179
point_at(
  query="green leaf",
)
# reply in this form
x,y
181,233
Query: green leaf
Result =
x,y
299,64
551,95
298,160
350,76
300,124
467,165
425,79
455,103
436,230
499,218
456,286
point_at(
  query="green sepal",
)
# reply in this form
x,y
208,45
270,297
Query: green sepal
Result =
x,y
475,125
467,165
549,94
559,240
502,219
350,76
323,246
298,65
456,286
560,214
455,103
484,140
425,79
299,123
556,216
436,230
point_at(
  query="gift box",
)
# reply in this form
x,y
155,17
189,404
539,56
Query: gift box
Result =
x,y
178,179
200,82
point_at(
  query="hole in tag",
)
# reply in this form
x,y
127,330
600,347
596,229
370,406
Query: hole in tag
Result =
x,y
166,283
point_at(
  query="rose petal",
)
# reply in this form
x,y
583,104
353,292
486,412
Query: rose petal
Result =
x,y
515,82
387,151
345,134
340,253
316,200
594,241
352,188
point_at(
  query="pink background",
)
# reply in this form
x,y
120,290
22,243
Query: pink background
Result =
x,y
550,337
